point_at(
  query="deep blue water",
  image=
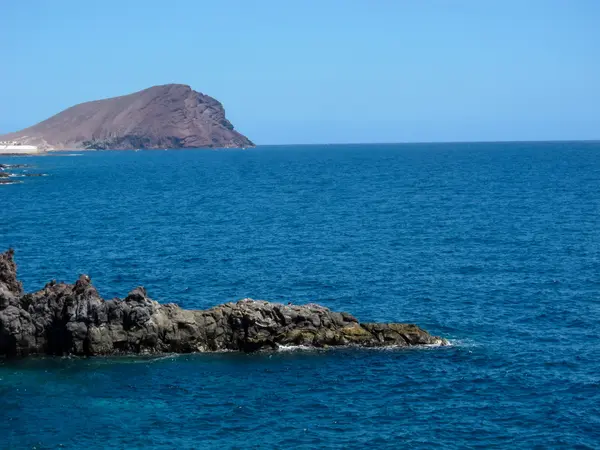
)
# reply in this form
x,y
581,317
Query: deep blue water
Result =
x,y
495,246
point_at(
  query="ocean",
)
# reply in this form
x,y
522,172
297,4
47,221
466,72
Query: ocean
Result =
x,y
494,246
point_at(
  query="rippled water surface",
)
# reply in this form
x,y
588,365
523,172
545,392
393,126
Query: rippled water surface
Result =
x,y
495,246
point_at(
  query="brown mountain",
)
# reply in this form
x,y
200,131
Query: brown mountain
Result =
x,y
168,116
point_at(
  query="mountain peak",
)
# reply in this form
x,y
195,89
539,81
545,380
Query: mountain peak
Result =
x,y
162,116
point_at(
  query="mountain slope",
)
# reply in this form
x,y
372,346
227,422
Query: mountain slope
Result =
x,y
167,116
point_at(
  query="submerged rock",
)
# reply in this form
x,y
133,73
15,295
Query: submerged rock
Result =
x,y
63,319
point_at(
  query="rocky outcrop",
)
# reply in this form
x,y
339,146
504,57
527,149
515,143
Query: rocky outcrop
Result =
x,y
73,319
13,166
5,175
167,116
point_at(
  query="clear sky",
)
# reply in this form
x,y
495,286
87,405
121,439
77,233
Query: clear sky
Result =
x,y
316,71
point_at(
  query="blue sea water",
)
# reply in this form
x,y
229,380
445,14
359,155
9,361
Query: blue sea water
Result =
x,y
494,246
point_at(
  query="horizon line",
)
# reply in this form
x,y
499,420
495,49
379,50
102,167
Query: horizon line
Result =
x,y
540,141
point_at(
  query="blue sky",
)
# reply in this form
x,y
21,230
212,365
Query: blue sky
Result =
x,y
319,71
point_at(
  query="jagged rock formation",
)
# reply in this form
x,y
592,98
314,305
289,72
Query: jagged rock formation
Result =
x,y
65,319
168,116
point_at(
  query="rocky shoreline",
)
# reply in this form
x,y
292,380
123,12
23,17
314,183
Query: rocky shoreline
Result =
x,y
72,319
8,173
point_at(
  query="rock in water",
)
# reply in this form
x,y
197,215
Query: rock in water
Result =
x,y
168,116
73,319
8,274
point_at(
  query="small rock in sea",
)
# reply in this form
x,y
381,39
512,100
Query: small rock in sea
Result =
x,y
13,166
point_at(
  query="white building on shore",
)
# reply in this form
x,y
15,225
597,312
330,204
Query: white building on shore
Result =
x,y
16,148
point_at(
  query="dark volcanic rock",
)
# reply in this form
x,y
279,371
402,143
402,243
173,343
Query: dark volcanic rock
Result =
x,y
8,273
65,319
13,166
168,116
